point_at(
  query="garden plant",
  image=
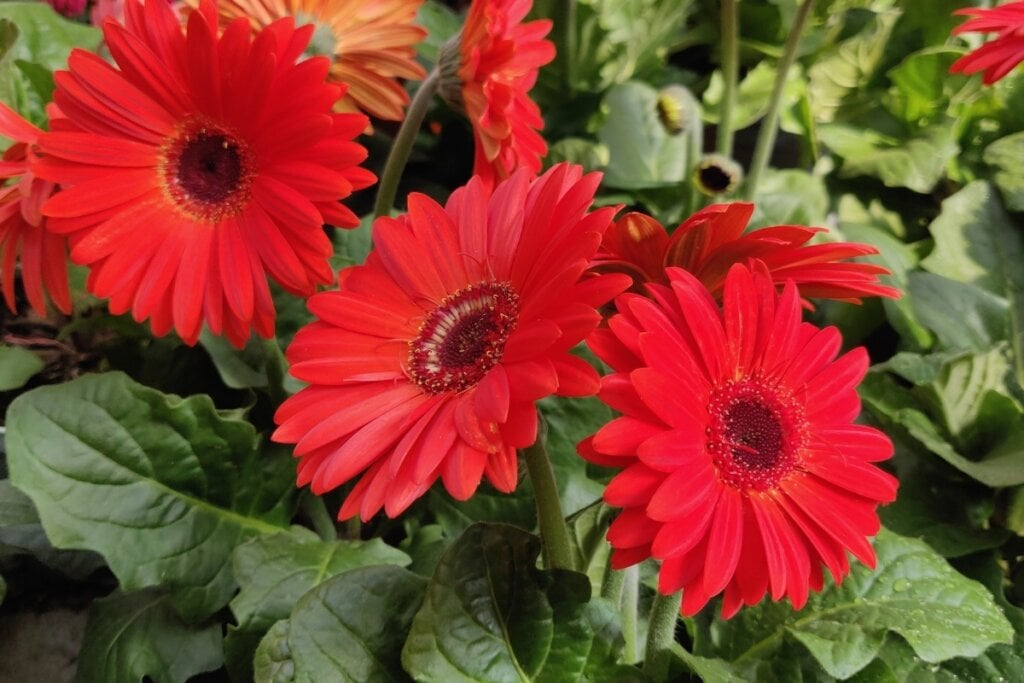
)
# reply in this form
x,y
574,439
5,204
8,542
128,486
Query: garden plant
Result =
x,y
511,340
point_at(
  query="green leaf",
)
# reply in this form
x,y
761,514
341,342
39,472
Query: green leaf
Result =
x,y
881,228
752,95
898,410
491,615
839,76
591,155
21,533
163,487
244,368
17,366
923,86
588,529
997,663
275,571
977,244
131,636
349,628
916,163
1004,155
789,197
43,40
961,316
913,592
641,152
441,24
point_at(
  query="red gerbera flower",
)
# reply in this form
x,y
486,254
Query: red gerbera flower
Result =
x,y
489,75
998,56
22,226
198,166
711,241
428,361
741,468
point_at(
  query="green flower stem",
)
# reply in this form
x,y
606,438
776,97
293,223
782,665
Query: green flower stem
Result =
x,y
629,611
730,75
564,16
276,369
611,587
661,634
553,530
403,144
770,123
316,510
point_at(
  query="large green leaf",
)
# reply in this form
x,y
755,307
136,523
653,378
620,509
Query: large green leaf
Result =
x,y
136,636
1004,155
913,592
491,615
349,629
977,244
21,533
275,571
17,365
899,410
897,661
441,24
641,152
961,316
915,162
163,487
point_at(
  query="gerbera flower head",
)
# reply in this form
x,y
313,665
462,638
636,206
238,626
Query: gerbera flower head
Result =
x,y
711,241
487,71
741,469
43,255
428,361
997,57
198,166
370,44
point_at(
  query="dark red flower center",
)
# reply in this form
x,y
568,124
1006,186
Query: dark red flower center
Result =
x,y
208,172
464,337
755,433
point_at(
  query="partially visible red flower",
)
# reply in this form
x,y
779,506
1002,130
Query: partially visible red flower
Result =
x,y
490,76
429,360
43,255
69,8
741,468
997,57
198,166
711,241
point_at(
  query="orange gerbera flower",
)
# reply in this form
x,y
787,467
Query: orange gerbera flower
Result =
x,y
22,226
198,166
489,75
371,44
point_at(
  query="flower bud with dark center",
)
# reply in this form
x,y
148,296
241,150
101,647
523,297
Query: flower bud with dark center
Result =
x,y
716,174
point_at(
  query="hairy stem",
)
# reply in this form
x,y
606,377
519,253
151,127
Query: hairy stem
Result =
x,y
553,530
402,146
661,634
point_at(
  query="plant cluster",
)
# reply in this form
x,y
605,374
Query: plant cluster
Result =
x,y
515,340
